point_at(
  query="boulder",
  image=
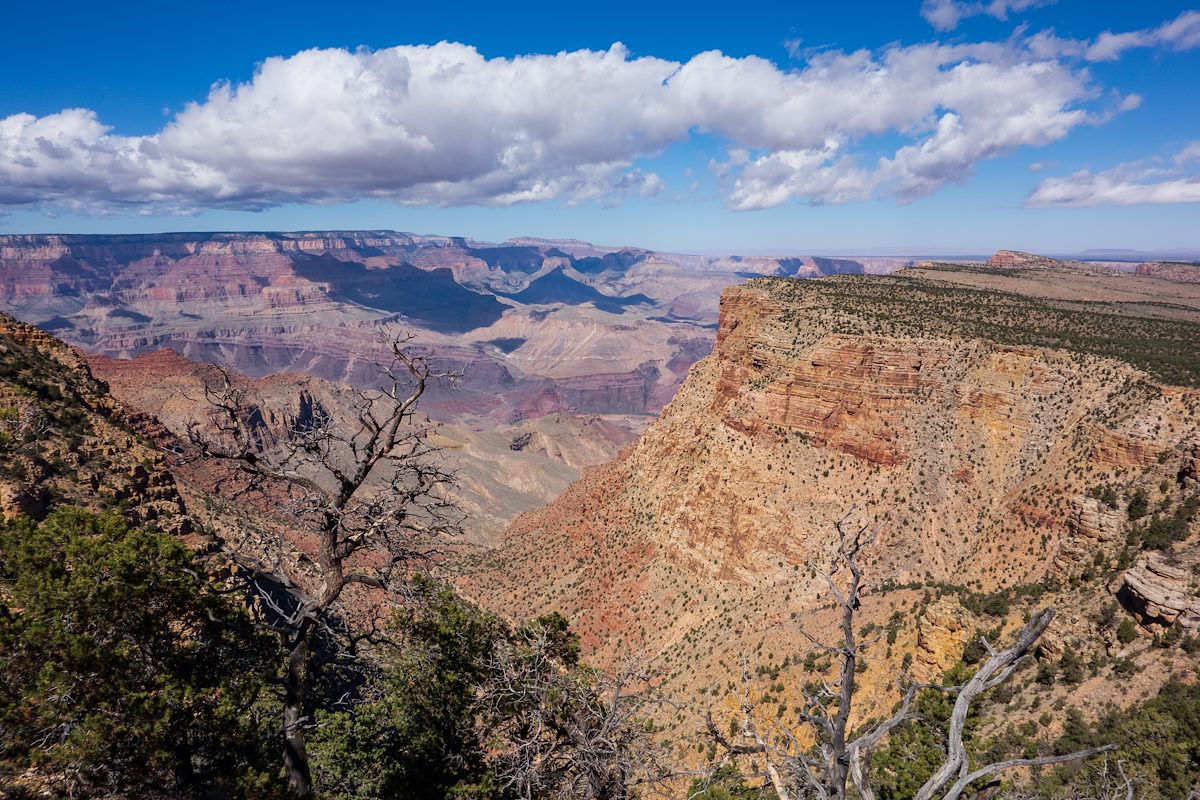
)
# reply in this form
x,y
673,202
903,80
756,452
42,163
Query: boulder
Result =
x,y
1160,595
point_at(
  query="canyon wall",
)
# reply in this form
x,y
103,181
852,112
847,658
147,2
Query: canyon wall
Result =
x,y
911,406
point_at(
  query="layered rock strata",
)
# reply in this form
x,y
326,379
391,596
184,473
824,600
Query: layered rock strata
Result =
x,y
1162,595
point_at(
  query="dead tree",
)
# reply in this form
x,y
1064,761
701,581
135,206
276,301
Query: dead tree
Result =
x,y
825,770
563,731
371,490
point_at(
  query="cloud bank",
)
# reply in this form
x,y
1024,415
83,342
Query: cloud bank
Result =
x,y
1136,183
1181,33
443,125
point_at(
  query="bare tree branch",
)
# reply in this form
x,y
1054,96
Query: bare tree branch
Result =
x,y
372,492
824,769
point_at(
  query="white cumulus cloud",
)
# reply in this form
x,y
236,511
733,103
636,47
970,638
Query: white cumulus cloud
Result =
x,y
444,125
958,105
1135,183
1179,34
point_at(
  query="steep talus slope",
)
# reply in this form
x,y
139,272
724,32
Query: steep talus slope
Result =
x,y
970,415
63,439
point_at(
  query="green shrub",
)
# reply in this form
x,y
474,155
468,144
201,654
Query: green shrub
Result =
x,y
1139,505
726,784
122,670
417,737
1071,666
1158,745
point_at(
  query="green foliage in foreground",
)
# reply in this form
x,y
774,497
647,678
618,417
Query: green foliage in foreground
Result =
x,y
465,707
416,738
1159,746
124,673
917,747
122,669
726,783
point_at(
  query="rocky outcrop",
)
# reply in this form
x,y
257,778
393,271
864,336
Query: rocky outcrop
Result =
x,y
1160,595
1015,259
622,393
942,631
1189,474
1093,527
1117,449
1018,260
1095,520
1180,272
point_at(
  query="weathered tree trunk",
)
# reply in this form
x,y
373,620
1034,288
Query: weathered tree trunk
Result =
x,y
185,773
410,507
826,775
295,699
839,762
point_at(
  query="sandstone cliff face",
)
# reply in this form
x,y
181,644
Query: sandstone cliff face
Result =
x,y
1189,473
942,631
1162,595
1092,527
973,457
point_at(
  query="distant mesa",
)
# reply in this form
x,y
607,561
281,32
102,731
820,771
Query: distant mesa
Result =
x,y
1178,271
1016,259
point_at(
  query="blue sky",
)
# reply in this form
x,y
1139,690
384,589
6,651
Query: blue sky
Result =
x,y
948,126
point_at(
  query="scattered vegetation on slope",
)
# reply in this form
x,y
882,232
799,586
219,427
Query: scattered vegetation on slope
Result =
x,y
900,305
